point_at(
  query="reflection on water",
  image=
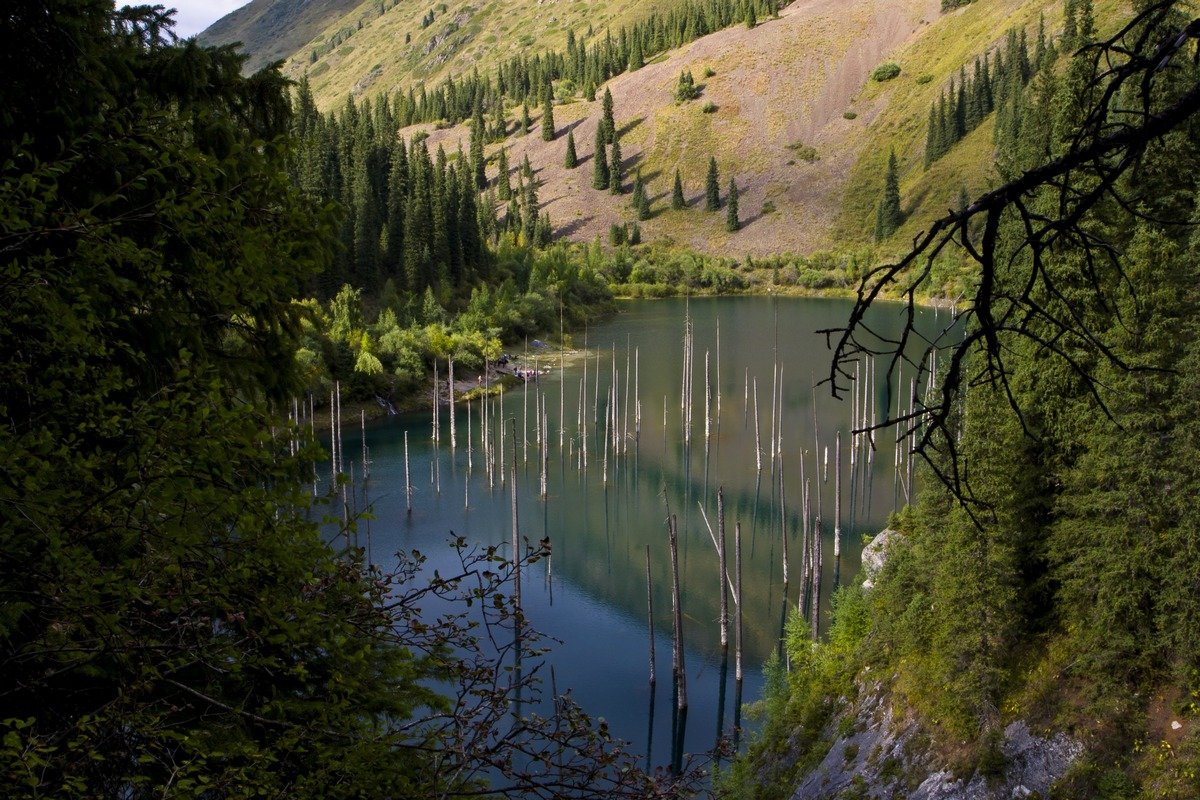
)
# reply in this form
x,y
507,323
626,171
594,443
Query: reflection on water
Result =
x,y
619,449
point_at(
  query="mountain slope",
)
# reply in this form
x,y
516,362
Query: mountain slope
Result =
x,y
271,30
789,109
368,52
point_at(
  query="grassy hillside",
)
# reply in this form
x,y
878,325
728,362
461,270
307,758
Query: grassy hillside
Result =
x,y
375,52
777,89
271,30
788,108
953,40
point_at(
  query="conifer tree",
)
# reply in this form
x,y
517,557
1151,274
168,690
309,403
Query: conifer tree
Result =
x,y
397,197
712,187
1070,32
529,215
732,223
636,58
751,16
543,232
1087,22
570,160
677,200
607,123
525,121
478,163
931,137
641,201
499,123
503,186
615,177
889,215
600,160
548,115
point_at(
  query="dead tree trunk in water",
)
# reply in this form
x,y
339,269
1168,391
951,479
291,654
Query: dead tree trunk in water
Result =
x,y
677,665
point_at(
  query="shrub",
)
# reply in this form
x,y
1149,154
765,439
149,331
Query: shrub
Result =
x,y
885,71
923,79
709,107
804,152
709,72
849,115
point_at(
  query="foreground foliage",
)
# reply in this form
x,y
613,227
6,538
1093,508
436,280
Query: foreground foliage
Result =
x,y
171,622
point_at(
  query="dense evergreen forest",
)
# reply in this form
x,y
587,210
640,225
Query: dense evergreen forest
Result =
x,y
1048,571
171,622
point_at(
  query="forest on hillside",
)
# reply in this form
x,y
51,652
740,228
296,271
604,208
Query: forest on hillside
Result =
x,y
1047,571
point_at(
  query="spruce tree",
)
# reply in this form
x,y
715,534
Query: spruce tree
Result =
x,y
751,16
1087,22
529,213
600,160
478,168
525,121
499,123
712,187
732,223
615,177
931,137
607,123
677,200
503,187
1070,32
889,215
641,201
543,232
570,160
548,115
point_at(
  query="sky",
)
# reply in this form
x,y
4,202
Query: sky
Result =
x,y
193,16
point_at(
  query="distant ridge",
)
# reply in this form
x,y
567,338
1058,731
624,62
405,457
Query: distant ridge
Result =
x,y
271,30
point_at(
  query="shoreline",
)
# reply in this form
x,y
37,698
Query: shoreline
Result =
x,y
423,399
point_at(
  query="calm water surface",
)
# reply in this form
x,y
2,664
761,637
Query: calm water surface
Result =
x,y
600,519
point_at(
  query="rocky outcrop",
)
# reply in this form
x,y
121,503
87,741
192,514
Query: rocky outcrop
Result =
x,y
884,755
875,554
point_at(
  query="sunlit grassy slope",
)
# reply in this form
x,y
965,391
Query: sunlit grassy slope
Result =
x,y
792,113
383,52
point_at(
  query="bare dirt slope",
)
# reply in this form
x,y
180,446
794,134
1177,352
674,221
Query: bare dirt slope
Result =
x,y
784,84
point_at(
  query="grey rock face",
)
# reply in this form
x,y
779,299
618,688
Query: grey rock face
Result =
x,y
875,554
886,757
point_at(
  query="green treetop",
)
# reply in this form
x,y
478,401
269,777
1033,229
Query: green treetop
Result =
x,y
889,215
732,223
615,177
503,185
641,200
712,187
600,160
548,115
607,123
570,160
677,199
